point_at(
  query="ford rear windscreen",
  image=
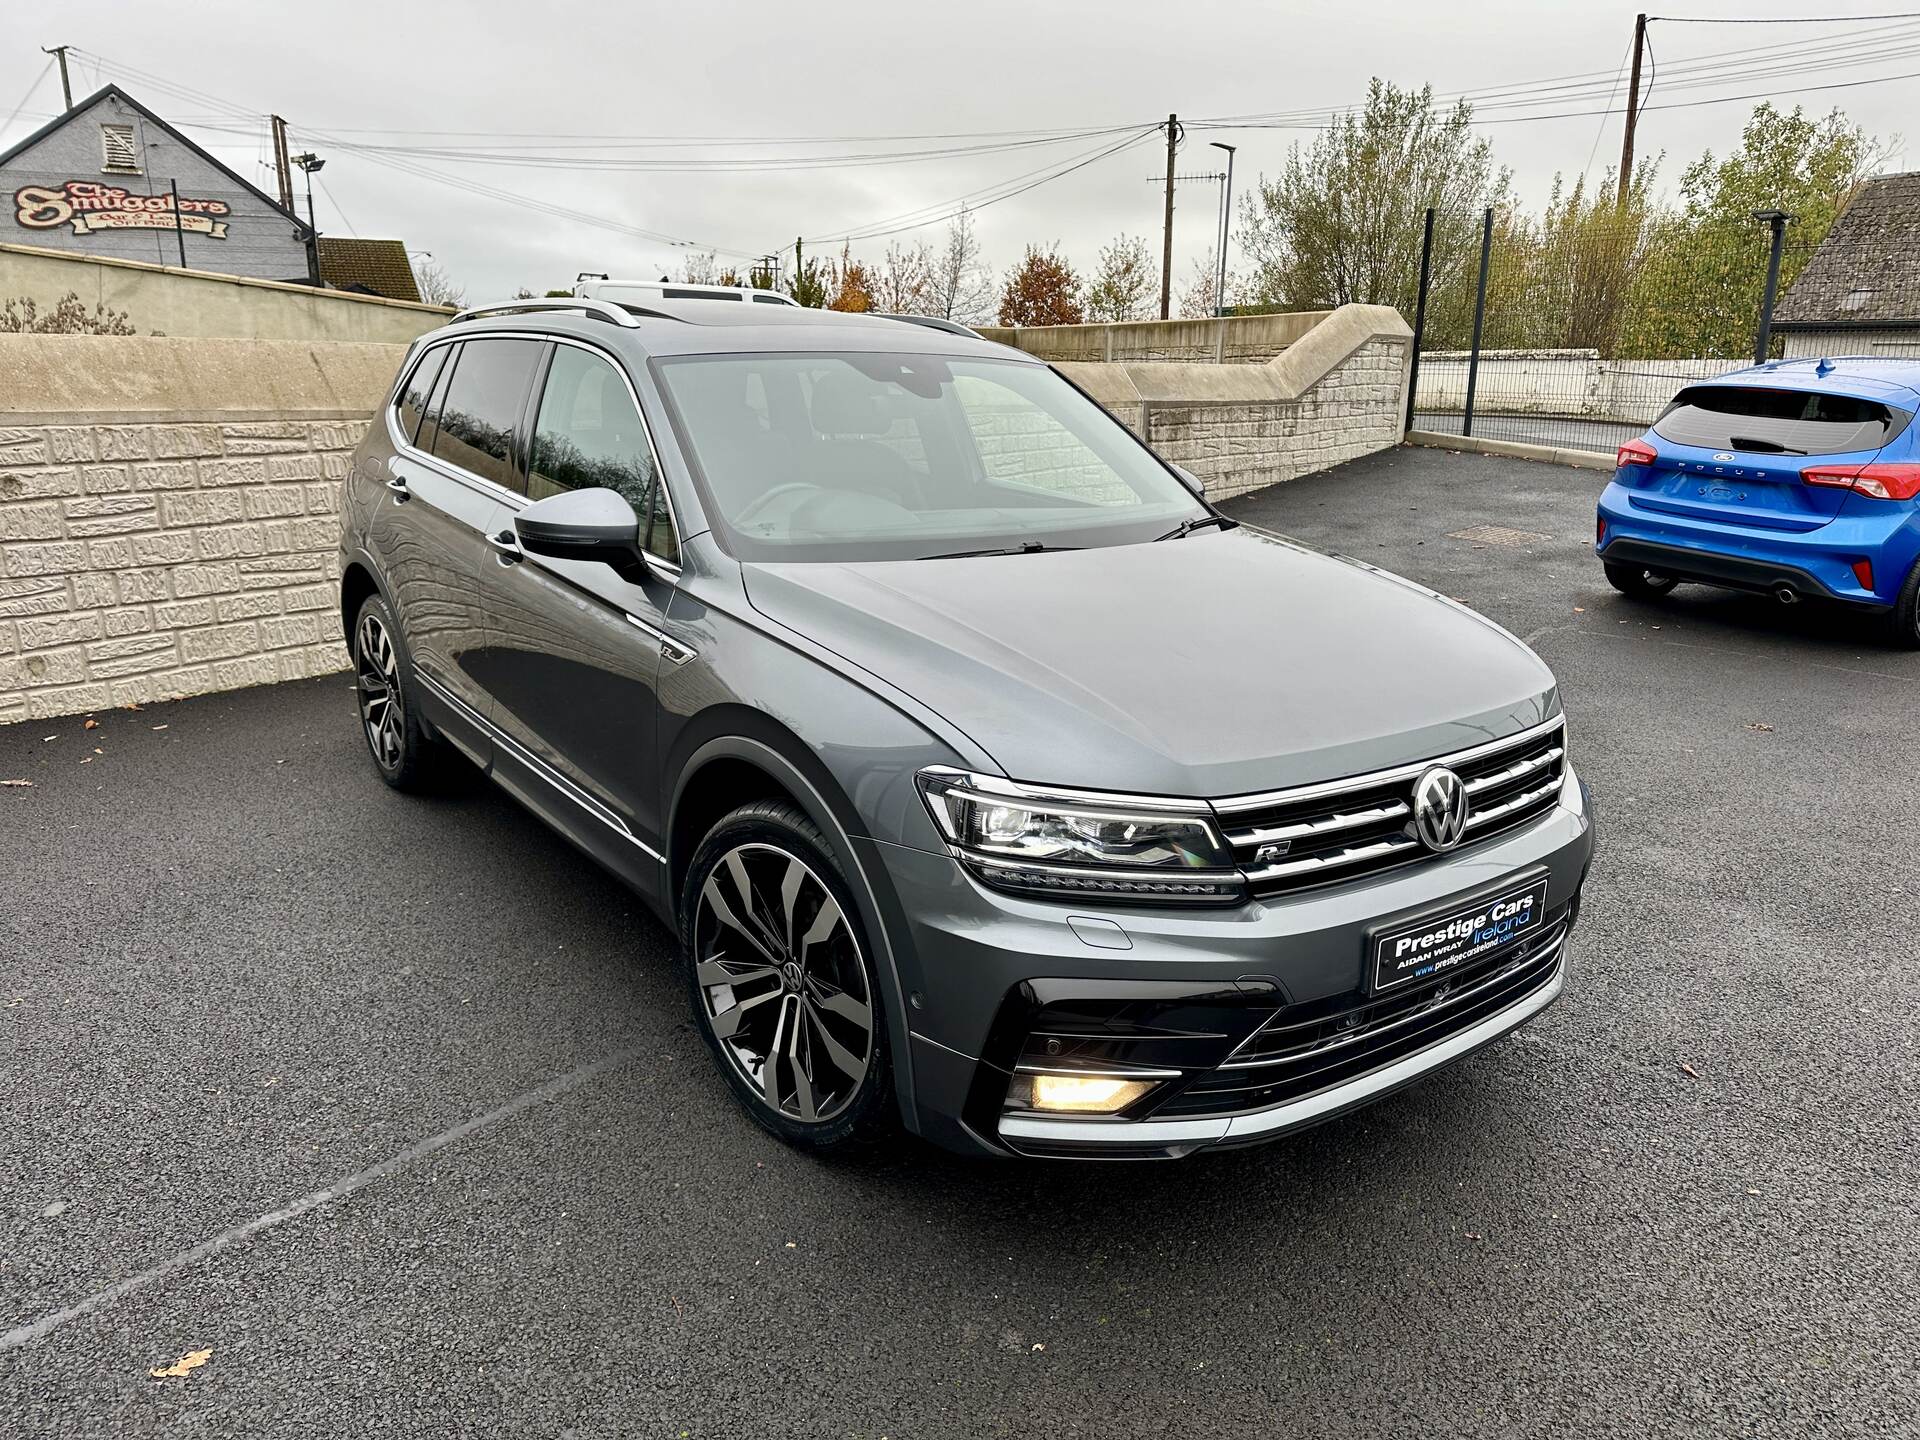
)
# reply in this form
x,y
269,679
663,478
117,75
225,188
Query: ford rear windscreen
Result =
x,y
1778,422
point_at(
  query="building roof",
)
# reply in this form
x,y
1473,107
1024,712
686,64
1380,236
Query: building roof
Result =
x,y
116,92
379,267
1867,271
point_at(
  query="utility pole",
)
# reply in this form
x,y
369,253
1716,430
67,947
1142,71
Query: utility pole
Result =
x,y
281,168
1166,248
1633,109
59,52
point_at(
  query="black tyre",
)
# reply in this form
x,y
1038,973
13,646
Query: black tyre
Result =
x,y
1903,625
1637,580
782,980
404,754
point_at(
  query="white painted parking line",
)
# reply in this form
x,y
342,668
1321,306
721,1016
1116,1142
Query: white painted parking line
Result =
x,y
326,1195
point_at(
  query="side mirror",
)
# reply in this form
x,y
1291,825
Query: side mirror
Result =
x,y
595,524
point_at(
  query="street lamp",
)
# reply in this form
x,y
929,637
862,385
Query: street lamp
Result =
x,y
1226,219
311,162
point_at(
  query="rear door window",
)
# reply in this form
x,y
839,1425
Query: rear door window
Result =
x,y
1778,422
482,406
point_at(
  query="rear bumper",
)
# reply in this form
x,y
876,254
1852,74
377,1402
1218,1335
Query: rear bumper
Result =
x,y
998,985
1814,563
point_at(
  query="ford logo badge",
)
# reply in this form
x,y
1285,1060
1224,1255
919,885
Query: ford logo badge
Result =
x,y
1723,455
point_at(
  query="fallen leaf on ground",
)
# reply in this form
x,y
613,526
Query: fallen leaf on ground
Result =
x,y
17,784
182,1367
1761,726
133,707
159,727
45,739
86,759
1689,1071
1037,1348
1579,609
91,724
1472,1234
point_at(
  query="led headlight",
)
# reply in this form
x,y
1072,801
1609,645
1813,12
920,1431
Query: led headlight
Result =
x,y
1074,844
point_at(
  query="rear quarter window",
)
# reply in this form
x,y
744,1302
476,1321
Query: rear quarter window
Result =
x,y
1769,421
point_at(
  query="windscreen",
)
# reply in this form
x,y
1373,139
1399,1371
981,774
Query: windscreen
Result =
x,y
1777,422
888,456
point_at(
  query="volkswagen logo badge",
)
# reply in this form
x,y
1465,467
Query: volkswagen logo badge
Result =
x,y
1439,808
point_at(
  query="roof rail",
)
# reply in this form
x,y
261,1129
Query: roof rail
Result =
x,y
599,309
932,322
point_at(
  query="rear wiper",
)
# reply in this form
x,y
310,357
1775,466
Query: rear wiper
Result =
x,y
1187,527
1765,447
1026,547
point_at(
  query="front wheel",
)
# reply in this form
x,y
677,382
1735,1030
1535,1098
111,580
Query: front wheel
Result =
x,y
1637,580
782,981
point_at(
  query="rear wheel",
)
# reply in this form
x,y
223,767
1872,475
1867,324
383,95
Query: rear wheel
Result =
x,y
1903,625
404,754
1637,580
781,982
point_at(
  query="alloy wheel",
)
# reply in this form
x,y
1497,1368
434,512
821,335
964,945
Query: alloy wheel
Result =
x,y
782,982
377,677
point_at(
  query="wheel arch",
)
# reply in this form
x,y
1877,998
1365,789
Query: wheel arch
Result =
x,y
357,582
747,755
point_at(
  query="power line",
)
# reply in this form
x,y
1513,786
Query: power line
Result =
x,y
1776,19
920,219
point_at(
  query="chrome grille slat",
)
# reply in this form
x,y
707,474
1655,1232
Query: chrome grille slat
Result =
x,y
1317,863
1515,771
1344,830
1346,820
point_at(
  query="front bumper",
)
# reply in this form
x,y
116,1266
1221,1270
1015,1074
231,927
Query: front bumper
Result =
x,y
1813,563
997,986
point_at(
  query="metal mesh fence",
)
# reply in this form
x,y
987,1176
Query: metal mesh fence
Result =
x,y
1591,322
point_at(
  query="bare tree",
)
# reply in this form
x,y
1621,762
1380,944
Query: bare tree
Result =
x,y
1122,281
1199,298
903,283
702,267
963,287
437,288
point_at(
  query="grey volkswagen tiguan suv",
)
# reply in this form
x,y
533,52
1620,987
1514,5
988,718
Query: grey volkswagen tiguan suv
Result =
x,y
992,781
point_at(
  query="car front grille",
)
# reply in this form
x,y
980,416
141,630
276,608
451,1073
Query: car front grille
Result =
x,y
1306,1049
1312,835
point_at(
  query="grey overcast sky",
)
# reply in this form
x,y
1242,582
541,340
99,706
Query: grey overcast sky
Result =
x,y
560,85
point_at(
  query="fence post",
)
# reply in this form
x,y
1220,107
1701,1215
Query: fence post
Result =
x,y
1763,337
1479,319
1420,317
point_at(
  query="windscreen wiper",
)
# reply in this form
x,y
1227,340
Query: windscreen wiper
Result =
x,y
1765,447
1187,527
1026,547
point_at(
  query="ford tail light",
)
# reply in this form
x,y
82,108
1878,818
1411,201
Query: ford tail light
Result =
x,y
1877,482
1635,452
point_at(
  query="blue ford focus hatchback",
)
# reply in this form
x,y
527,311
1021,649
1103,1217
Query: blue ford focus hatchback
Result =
x,y
1798,479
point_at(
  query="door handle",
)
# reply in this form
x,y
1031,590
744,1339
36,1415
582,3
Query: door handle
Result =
x,y
399,489
506,546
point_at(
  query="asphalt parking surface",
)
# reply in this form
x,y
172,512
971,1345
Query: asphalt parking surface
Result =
x,y
245,985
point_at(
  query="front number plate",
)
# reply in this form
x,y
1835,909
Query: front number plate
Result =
x,y
1456,938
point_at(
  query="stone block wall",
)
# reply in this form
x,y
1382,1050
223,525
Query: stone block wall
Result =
x,y
169,513
1242,446
143,561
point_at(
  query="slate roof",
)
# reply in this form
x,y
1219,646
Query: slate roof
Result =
x,y
1867,271
379,267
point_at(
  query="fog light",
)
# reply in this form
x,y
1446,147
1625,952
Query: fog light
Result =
x,y
1086,1094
